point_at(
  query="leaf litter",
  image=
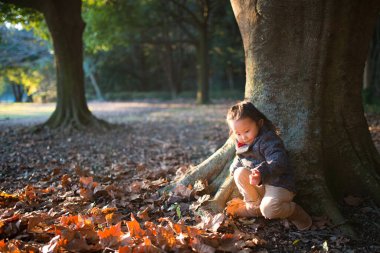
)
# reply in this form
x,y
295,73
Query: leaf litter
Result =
x,y
91,192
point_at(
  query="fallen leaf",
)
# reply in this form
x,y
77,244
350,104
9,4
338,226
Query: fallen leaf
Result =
x,y
134,228
353,201
65,181
144,215
197,245
233,205
182,191
110,237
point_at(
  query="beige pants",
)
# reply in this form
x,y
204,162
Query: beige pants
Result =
x,y
270,201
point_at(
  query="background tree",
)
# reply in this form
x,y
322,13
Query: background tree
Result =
x,y
22,60
371,78
66,26
304,68
154,47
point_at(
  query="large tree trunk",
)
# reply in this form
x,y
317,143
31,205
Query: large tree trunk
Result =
x,y
63,18
304,65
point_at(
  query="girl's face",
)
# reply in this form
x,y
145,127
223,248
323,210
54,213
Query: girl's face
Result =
x,y
245,130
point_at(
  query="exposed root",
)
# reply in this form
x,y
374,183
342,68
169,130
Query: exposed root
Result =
x,y
68,122
212,169
331,209
218,203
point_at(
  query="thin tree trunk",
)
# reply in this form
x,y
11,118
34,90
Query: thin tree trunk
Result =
x,y
230,77
94,83
371,79
203,67
17,92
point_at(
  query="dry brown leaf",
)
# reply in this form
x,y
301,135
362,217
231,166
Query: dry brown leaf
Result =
x,y
200,185
210,221
195,205
65,181
182,191
198,246
144,215
353,201
136,186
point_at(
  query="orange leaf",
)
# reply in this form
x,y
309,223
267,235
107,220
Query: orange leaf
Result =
x,y
114,231
233,205
86,181
106,210
111,237
76,222
9,197
125,249
2,244
65,181
134,228
109,218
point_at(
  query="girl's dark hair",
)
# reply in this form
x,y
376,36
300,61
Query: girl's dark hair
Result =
x,y
246,109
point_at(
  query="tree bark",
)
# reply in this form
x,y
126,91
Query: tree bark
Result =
x,y
304,66
66,28
18,92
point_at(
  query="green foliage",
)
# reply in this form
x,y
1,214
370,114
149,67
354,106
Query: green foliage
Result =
x,y
131,43
24,18
370,101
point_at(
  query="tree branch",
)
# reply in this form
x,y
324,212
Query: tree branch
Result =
x,y
188,11
33,4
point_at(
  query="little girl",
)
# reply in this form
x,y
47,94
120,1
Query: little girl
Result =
x,y
261,168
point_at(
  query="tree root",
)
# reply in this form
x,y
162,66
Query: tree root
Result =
x,y
212,169
69,122
330,208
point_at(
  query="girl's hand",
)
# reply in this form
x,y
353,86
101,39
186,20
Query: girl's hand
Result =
x,y
255,177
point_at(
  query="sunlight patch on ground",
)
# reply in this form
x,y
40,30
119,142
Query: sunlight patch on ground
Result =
x,y
25,110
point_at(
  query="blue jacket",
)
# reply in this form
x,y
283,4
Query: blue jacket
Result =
x,y
267,153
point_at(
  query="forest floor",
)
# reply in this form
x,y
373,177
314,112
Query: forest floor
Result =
x,y
97,192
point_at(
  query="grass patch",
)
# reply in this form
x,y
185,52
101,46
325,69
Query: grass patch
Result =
x,y
25,110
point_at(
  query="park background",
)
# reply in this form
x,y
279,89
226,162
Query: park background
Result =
x,y
166,83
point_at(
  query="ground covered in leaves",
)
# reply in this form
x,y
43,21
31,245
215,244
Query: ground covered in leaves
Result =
x,y
92,192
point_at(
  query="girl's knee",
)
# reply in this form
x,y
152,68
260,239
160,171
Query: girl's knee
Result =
x,y
271,208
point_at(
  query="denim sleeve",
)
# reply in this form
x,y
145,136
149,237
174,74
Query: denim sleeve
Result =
x,y
276,158
236,163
